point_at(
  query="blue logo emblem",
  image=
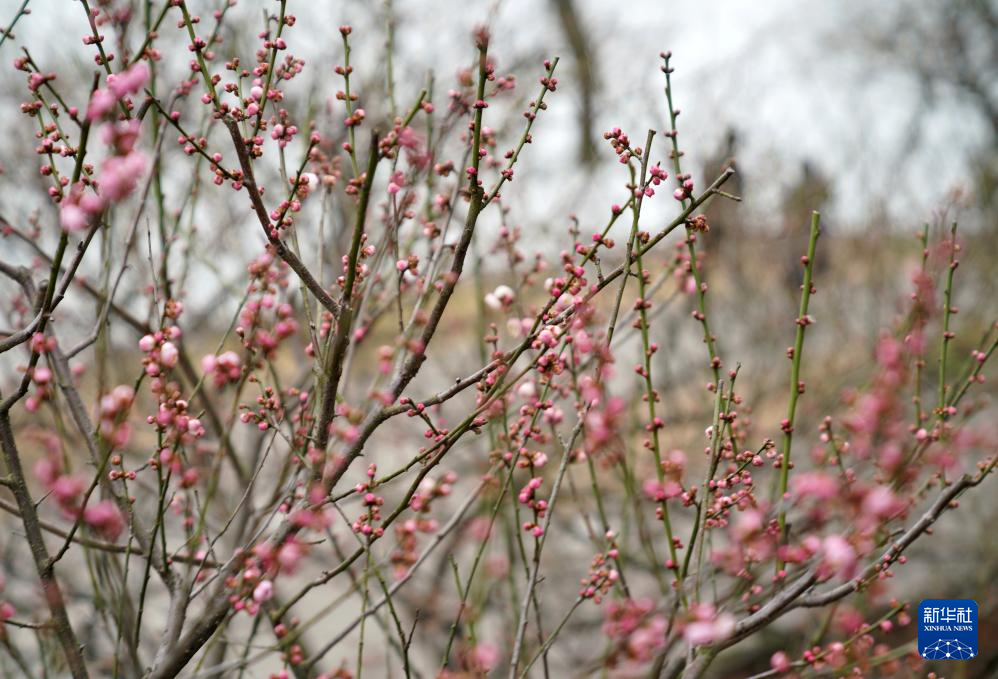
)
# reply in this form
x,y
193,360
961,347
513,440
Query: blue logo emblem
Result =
x,y
947,629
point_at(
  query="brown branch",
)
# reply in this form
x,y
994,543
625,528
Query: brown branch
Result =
x,y
898,546
90,543
289,257
793,596
219,608
333,370
43,564
412,365
23,278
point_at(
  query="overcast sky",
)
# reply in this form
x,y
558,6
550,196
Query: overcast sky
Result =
x,y
793,78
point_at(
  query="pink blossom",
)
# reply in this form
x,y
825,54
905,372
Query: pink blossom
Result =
x,y
882,503
818,485
263,592
659,492
129,81
708,626
168,354
47,470
838,557
121,135
101,102
747,524
485,655
780,661
888,352
633,625
105,519
73,217
503,296
66,489
120,174
408,138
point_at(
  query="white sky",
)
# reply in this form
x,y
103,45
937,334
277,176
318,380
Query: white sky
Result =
x,y
786,74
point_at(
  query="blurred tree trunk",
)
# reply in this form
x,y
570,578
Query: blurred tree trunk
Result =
x,y
585,75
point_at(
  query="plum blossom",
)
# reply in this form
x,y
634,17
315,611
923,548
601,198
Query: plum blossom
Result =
x,y
837,557
708,626
120,174
780,662
882,503
105,519
500,298
223,369
637,632
263,592
119,86
816,485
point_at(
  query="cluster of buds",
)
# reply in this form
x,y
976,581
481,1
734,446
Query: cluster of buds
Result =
x,y
528,497
407,138
355,118
118,177
431,489
367,251
223,369
252,102
41,376
284,558
635,629
660,491
282,131
602,574
731,491
252,587
406,553
265,322
366,524
177,429
161,354
396,182
500,298
114,407
408,265
103,517
531,459
621,144
119,87
685,189
269,409
120,171
549,82
307,183
706,625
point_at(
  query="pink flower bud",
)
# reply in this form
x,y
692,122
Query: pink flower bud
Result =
x,y
263,592
168,354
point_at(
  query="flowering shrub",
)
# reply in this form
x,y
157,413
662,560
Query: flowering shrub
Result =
x,y
263,483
